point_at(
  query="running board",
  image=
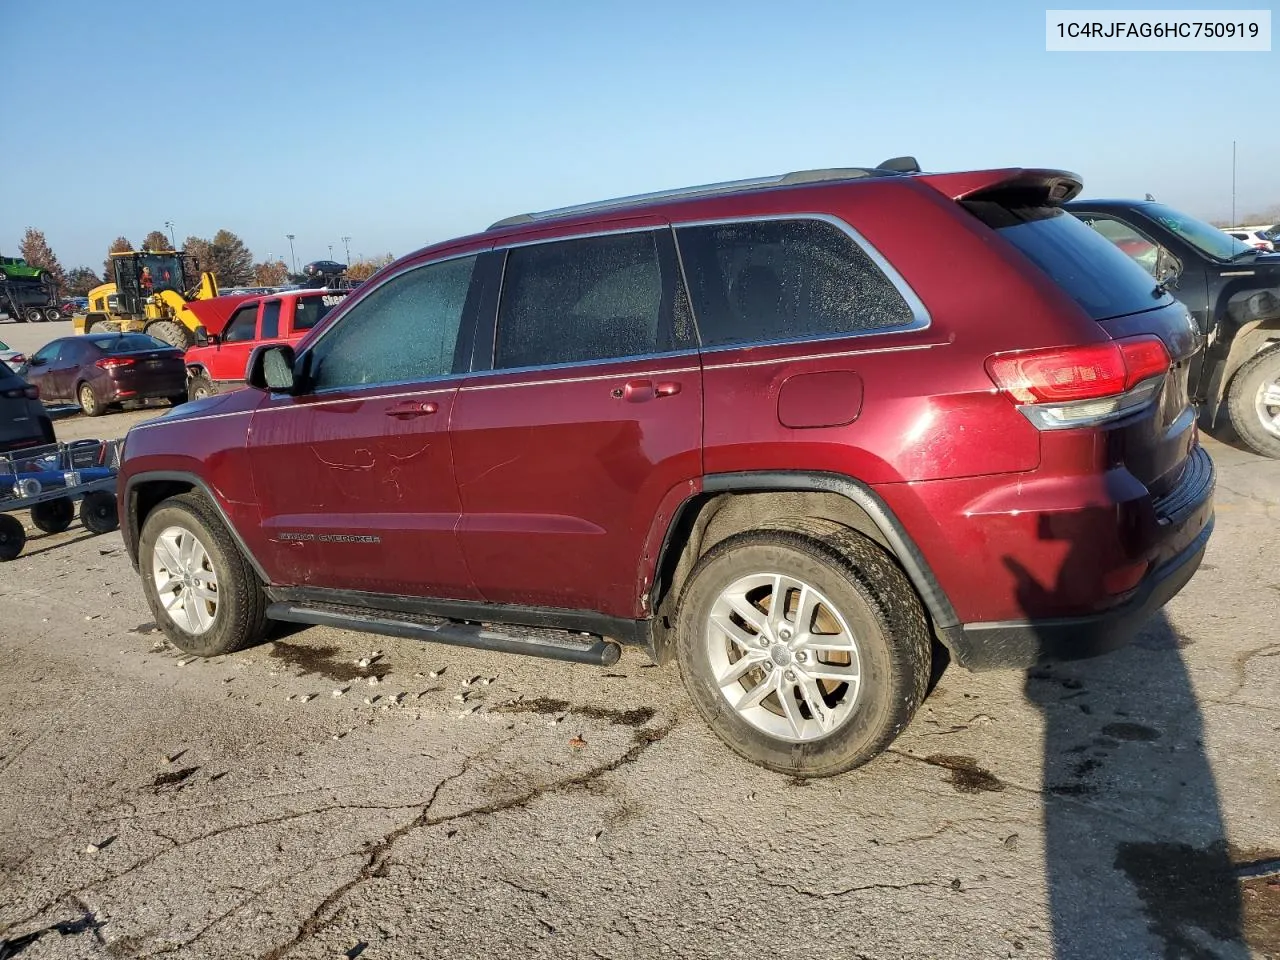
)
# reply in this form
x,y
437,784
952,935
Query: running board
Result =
x,y
530,641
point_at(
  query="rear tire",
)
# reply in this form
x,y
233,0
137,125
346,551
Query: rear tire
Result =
x,y
12,537
88,401
53,314
861,594
99,512
228,603
174,334
1253,402
53,516
33,315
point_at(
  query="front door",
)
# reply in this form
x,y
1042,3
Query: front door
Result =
x,y
354,475
43,370
590,416
231,354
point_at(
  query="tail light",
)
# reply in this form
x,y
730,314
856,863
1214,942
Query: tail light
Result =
x,y
26,392
112,364
1064,387
17,358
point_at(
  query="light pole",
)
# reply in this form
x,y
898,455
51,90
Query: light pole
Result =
x,y
346,245
1233,183
292,256
331,251
169,225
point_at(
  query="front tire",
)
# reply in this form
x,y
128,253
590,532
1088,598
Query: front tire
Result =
x,y
202,591
1253,402
174,334
804,647
200,386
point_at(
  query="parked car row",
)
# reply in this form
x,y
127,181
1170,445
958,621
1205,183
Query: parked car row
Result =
x,y
757,428
1260,238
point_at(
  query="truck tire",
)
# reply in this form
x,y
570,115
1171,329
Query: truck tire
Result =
x,y
202,591
1253,402
53,516
12,537
174,334
99,512
200,386
53,314
830,681
33,315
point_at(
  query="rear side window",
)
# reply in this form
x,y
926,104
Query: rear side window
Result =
x,y
308,311
271,320
782,280
597,298
1088,267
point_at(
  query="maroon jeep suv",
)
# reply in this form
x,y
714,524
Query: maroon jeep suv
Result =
x,y
792,432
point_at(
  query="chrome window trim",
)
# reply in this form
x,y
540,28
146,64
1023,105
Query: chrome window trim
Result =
x,y
920,317
670,371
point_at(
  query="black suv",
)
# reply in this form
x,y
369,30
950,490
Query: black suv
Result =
x,y
23,420
1232,291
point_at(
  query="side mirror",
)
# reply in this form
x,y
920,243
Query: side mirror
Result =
x,y
1168,268
37,361
202,336
271,368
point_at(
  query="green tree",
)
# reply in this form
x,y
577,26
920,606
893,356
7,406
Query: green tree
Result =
x,y
199,248
272,273
36,251
118,245
229,259
157,240
80,281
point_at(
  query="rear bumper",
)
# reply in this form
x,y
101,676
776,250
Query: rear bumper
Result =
x,y
1025,643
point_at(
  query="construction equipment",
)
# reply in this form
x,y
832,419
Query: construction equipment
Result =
x,y
150,293
27,292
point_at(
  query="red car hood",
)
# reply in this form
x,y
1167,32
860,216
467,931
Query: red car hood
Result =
x,y
214,314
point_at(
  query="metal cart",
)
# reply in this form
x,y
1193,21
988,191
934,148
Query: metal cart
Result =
x,y
49,480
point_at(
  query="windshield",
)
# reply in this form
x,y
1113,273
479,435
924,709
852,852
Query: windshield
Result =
x,y
1206,239
159,272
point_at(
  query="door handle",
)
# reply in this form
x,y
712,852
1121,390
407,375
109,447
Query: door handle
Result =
x,y
414,408
639,391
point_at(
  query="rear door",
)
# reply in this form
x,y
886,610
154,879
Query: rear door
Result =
x,y
354,476
589,415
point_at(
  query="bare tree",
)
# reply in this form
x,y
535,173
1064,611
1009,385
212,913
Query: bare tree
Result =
x,y
36,251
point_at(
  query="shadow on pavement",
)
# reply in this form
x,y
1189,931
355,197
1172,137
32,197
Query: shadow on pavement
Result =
x,y
1136,853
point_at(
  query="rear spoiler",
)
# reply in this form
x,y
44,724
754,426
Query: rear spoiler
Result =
x,y
1023,186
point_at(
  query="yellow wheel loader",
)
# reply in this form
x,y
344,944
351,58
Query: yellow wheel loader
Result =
x,y
150,293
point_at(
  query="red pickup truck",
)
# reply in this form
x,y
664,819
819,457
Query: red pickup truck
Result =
x,y
218,361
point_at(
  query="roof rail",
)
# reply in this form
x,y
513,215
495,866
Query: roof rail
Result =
x,y
894,167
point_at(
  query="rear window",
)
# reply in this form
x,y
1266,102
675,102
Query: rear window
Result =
x,y
130,343
311,310
772,280
1084,264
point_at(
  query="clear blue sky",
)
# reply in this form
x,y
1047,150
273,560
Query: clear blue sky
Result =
x,y
402,122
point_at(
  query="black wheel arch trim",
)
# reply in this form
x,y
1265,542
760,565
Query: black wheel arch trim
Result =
x,y
131,530
895,535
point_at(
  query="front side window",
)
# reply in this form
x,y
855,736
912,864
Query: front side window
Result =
x,y
597,298
405,330
1128,240
47,354
242,326
775,280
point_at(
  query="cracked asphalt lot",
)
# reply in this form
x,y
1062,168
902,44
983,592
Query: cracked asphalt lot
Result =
x,y
283,802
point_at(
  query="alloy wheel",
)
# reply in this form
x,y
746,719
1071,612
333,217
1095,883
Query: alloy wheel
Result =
x,y
783,657
185,580
1267,403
